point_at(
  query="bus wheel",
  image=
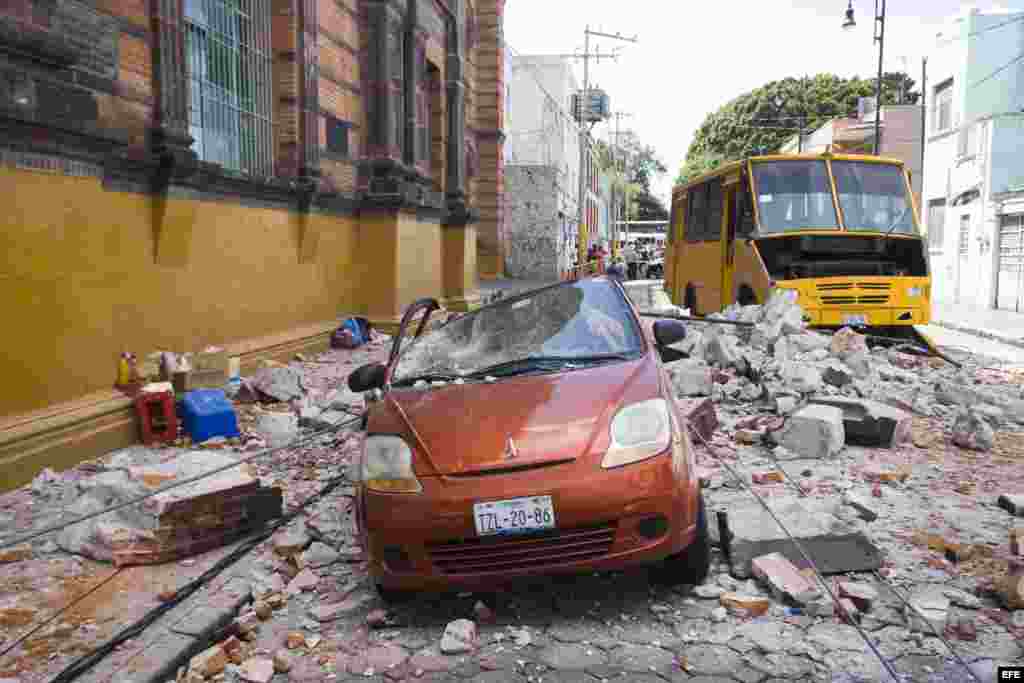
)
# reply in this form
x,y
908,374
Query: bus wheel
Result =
x,y
746,296
690,299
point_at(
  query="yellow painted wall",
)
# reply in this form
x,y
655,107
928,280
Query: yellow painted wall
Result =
x,y
79,284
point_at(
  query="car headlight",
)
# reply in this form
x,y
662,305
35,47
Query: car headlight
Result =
x,y
638,432
914,292
387,466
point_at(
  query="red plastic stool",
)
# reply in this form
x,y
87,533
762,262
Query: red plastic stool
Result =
x,y
157,417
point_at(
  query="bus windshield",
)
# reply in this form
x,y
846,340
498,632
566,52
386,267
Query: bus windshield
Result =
x,y
873,197
793,196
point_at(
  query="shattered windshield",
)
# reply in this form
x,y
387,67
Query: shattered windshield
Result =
x,y
584,320
794,196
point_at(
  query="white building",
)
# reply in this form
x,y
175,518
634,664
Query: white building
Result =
x,y
541,167
973,193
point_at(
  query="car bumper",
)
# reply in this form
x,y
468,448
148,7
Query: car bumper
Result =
x,y
429,541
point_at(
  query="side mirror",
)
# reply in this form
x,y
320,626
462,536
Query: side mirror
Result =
x,y
367,378
668,332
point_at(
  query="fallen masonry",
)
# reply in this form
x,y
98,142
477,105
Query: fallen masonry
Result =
x,y
175,524
870,423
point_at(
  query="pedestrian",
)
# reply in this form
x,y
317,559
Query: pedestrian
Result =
x,y
616,271
629,256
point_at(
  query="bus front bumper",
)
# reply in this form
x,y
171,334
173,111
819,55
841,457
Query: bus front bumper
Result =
x,y
863,302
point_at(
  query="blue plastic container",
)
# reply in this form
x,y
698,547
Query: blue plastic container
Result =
x,y
207,413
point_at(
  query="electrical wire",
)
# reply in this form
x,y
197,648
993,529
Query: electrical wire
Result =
x,y
31,536
998,71
876,574
800,548
86,662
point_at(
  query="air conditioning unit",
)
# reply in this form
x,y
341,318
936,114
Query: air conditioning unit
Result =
x,y
594,107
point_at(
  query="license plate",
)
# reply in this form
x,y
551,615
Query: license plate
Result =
x,y
855,320
514,516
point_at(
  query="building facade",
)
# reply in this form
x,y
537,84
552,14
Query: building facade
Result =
x,y
234,173
541,168
973,192
900,125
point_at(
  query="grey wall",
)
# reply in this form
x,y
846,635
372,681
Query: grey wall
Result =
x,y
537,249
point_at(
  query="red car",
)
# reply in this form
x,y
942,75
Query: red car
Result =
x,y
536,435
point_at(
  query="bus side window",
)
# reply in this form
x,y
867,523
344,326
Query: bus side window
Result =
x,y
745,224
696,213
713,224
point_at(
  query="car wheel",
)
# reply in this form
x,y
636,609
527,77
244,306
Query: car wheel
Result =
x,y
394,597
691,566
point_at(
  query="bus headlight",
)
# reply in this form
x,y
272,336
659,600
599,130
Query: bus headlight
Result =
x,y
914,292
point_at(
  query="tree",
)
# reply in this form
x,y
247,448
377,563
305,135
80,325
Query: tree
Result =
x,y
639,166
751,123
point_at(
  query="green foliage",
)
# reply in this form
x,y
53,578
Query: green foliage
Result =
x,y
752,124
638,164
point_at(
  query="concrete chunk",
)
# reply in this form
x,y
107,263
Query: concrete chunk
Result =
x,y
815,431
972,432
690,377
824,537
801,377
870,423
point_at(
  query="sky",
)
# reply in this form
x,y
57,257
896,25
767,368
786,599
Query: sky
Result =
x,y
694,56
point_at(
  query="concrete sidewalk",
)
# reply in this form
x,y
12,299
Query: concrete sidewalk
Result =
x,y
1006,327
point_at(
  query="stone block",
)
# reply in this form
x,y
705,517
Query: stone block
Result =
x,y
460,636
801,377
971,431
815,431
832,545
690,377
870,423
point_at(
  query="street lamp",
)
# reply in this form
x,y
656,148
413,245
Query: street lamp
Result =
x,y
879,38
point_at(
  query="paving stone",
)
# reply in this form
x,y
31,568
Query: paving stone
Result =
x,y
773,636
832,636
783,665
640,659
571,656
203,621
716,660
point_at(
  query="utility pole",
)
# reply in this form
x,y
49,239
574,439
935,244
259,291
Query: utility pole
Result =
x,y
618,203
585,132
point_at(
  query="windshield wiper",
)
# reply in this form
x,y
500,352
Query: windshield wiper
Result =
x,y
546,364
428,377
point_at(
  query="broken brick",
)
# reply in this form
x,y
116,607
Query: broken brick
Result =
x,y
257,670
209,662
886,474
848,611
750,436
784,579
1016,547
861,594
753,605
295,640
16,554
768,477
1011,590
700,416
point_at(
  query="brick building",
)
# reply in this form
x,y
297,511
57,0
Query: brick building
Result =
x,y
179,173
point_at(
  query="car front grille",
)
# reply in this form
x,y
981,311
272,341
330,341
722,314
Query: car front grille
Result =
x,y
492,555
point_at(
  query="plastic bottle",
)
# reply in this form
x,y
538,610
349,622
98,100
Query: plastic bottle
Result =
x,y
124,370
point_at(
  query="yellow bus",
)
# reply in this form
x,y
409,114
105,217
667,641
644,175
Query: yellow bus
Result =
x,y
841,230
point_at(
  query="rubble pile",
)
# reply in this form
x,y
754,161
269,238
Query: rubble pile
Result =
x,y
178,523
832,389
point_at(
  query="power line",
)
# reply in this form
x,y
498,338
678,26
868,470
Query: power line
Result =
x,y
25,538
998,71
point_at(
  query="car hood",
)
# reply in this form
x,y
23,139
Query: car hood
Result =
x,y
559,417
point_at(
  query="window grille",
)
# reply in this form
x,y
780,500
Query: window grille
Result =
x,y
942,112
936,223
228,54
